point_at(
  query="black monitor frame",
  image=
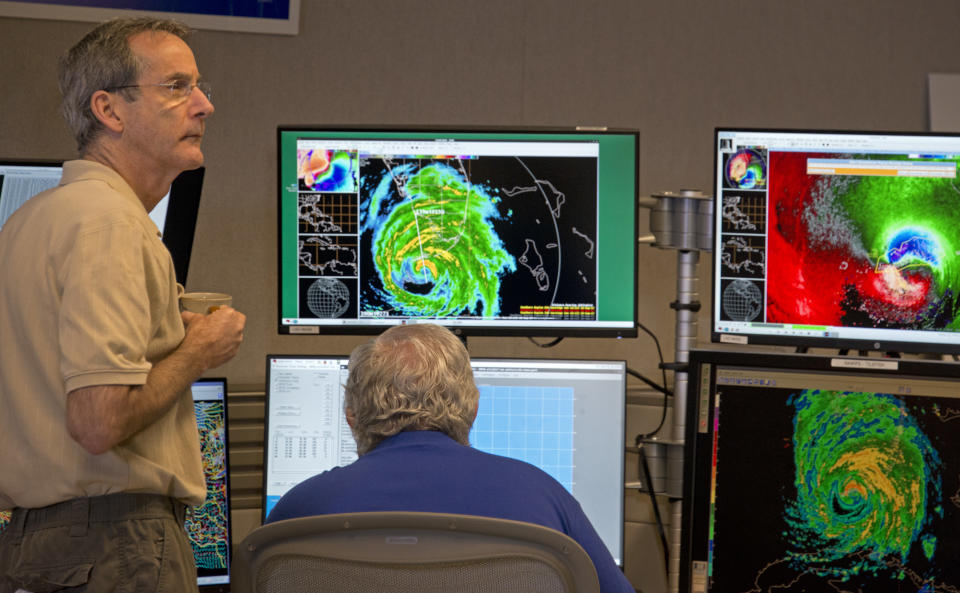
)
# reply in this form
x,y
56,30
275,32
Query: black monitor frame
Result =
x,y
216,580
766,445
627,247
852,331
180,225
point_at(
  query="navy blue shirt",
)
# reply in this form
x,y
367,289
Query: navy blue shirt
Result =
x,y
430,472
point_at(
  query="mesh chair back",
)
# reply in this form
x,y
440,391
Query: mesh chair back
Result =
x,y
410,552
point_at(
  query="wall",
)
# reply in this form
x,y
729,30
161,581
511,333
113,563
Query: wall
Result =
x,y
674,70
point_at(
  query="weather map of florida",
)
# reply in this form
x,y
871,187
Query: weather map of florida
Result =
x,y
445,236
861,251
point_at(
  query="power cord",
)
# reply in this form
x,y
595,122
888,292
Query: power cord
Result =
x,y
649,382
644,468
664,390
549,344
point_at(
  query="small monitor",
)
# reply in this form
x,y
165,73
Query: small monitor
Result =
x,y
819,473
175,215
21,180
574,410
208,525
487,231
837,239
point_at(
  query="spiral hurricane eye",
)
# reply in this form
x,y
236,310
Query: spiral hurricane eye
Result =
x,y
867,484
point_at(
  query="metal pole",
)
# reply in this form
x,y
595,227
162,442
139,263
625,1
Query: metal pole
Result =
x,y
686,306
682,221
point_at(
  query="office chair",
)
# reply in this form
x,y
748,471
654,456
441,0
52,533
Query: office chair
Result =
x,y
410,552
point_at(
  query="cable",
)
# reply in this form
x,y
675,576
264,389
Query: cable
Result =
x,y
645,468
661,388
659,351
666,392
549,344
649,382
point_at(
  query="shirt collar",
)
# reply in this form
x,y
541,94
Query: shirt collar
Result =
x,y
82,169
415,437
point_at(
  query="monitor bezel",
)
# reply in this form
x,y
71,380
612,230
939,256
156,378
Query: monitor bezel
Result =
x,y
622,429
222,587
805,342
701,374
266,415
461,328
180,225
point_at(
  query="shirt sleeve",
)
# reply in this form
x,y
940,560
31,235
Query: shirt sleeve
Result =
x,y
611,577
104,323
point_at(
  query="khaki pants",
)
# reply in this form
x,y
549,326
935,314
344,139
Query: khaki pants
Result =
x,y
118,542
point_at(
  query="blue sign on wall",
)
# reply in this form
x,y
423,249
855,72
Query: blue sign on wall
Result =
x,y
257,16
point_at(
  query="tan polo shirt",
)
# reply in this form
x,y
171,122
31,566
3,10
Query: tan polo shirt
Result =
x,y
88,296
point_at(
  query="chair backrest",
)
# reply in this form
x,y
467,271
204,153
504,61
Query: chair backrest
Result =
x,y
410,552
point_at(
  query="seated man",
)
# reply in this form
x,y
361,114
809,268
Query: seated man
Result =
x,y
410,402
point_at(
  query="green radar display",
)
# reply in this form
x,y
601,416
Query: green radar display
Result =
x,y
822,474
435,251
512,232
491,237
868,485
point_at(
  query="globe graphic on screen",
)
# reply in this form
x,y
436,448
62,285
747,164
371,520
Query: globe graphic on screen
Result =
x,y
327,297
742,300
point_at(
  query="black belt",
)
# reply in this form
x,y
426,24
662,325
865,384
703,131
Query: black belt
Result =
x,y
77,513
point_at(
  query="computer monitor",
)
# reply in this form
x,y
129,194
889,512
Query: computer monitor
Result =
x,y
844,240
820,473
575,409
486,231
175,215
208,525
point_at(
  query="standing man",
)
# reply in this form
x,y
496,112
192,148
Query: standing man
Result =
x,y
97,431
410,400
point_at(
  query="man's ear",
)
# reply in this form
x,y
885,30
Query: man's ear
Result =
x,y
105,107
351,419
476,409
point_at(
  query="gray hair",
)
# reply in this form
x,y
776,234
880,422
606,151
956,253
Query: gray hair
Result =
x,y
411,377
103,60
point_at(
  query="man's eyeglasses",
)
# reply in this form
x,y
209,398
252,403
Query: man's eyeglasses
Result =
x,y
176,89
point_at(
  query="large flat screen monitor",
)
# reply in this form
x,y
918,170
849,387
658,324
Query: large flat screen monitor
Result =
x,y
837,239
817,473
516,232
175,215
575,410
